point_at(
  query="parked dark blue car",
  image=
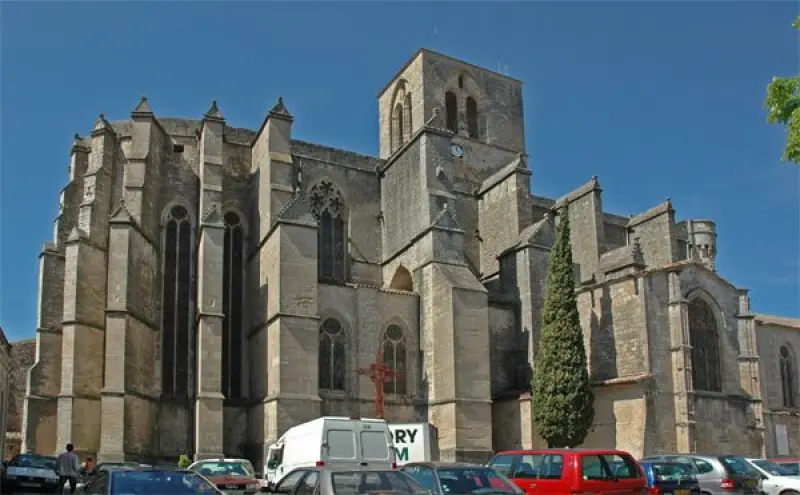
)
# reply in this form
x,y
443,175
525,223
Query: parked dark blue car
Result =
x,y
670,478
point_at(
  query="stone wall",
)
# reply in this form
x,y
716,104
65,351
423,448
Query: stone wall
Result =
x,y
23,354
782,421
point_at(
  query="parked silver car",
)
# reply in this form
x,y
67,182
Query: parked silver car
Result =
x,y
719,474
359,481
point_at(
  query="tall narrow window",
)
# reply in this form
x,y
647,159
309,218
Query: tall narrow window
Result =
x,y
331,355
394,355
232,306
327,204
176,310
788,377
395,134
472,117
451,109
705,347
398,115
407,118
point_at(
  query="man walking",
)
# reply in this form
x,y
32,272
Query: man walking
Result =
x,y
67,467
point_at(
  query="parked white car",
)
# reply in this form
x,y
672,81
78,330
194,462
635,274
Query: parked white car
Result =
x,y
776,479
27,471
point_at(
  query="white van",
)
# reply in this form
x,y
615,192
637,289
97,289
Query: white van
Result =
x,y
331,441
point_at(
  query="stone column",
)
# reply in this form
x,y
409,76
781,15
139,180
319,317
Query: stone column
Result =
x,y
681,349
750,374
208,412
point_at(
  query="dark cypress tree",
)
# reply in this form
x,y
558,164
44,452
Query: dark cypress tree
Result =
x,y
562,396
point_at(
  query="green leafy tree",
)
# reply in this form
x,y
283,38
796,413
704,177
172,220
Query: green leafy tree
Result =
x,y
562,396
184,461
783,106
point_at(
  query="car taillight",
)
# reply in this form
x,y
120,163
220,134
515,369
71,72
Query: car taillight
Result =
x,y
727,485
320,463
394,465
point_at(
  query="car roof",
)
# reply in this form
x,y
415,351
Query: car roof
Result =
x,y
152,469
345,469
700,455
445,465
563,451
221,459
38,456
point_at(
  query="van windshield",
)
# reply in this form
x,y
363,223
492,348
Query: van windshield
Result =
x,y
374,483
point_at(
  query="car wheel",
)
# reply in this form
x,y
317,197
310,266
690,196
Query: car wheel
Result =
x,y
789,492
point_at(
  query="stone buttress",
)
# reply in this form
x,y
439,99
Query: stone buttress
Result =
x,y
208,407
44,377
286,332
130,393
83,324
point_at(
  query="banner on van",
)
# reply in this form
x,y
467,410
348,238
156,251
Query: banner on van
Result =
x,y
410,442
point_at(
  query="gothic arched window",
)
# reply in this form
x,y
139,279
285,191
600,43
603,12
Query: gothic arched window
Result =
x,y
331,355
232,306
394,355
472,117
788,377
176,312
451,110
407,118
705,347
327,205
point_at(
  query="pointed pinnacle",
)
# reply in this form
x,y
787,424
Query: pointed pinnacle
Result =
x,y
214,113
143,107
280,109
100,123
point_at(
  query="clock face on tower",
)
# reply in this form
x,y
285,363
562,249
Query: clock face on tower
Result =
x,y
456,150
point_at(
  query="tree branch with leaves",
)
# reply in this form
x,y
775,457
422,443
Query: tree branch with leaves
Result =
x,y
783,105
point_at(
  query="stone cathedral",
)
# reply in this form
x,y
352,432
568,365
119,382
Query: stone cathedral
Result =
x,y
207,287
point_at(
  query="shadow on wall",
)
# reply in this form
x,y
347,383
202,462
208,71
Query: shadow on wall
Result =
x,y
602,342
402,280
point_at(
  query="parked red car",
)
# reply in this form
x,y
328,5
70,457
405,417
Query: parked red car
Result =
x,y
229,475
572,471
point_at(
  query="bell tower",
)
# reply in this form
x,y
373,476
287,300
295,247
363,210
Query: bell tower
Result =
x,y
475,104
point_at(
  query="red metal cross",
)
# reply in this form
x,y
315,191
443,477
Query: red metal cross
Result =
x,y
379,373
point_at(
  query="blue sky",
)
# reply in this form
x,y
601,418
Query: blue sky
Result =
x,y
657,99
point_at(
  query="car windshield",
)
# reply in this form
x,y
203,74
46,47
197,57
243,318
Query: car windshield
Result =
x,y
772,468
670,471
738,466
792,467
473,480
149,482
224,468
34,461
374,483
